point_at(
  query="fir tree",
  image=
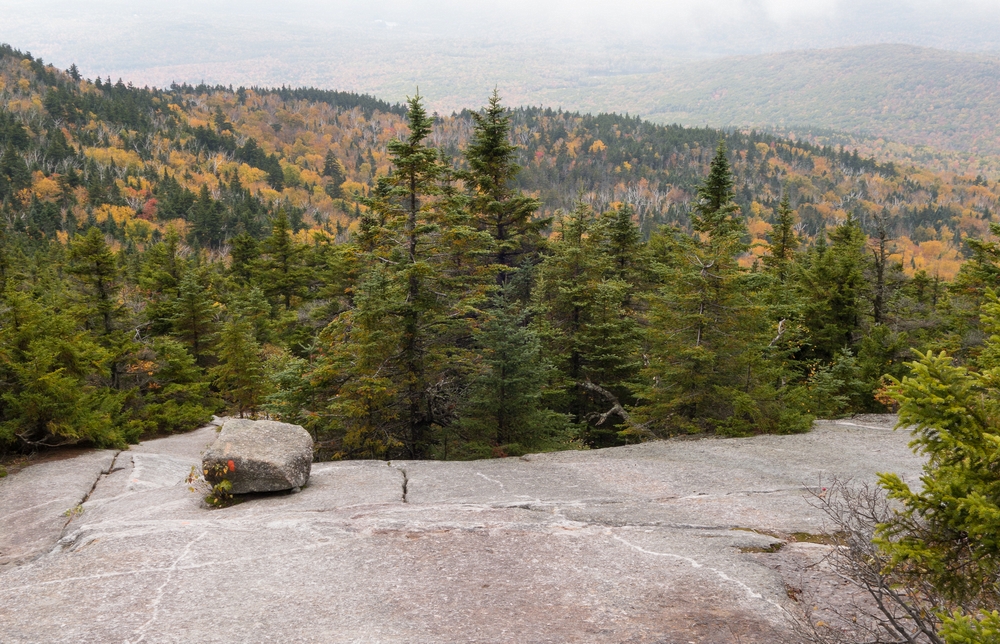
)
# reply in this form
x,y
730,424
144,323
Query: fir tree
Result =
x,y
194,315
832,284
504,408
49,370
588,333
160,276
282,270
497,205
335,172
98,276
784,242
714,353
944,535
206,220
244,256
412,303
177,397
239,376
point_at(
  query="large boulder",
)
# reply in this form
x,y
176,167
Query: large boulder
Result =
x,y
259,456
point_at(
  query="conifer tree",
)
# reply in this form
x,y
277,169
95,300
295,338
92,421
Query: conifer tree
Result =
x,y
206,220
244,256
504,408
335,172
623,242
784,242
412,303
282,270
496,204
177,397
944,535
712,347
194,315
160,277
239,376
98,276
588,333
833,285
48,374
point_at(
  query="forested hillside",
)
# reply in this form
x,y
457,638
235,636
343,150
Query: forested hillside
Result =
x,y
485,283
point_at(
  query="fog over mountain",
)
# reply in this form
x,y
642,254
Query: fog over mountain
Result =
x,y
628,55
131,37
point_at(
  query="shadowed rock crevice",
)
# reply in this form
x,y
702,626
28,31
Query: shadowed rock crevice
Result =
x,y
74,511
405,483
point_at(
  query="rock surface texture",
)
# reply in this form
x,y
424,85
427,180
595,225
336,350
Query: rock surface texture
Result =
x,y
259,456
657,543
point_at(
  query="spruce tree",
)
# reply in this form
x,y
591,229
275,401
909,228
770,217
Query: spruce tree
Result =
x,y
623,242
194,315
239,377
588,332
504,410
50,372
160,276
833,287
282,270
944,534
244,257
177,397
206,220
497,205
335,172
783,242
714,352
99,304
396,350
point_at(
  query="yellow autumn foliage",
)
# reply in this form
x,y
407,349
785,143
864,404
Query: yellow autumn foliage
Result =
x,y
121,158
120,214
46,188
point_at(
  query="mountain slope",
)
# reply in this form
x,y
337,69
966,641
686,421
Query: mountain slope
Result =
x,y
136,161
913,95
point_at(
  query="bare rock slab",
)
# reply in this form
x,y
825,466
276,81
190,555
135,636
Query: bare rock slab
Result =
x,y
259,456
38,503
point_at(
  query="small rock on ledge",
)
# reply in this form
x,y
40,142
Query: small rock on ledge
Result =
x,y
259,456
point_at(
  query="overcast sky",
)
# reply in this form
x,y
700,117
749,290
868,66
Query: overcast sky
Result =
x,y
132,37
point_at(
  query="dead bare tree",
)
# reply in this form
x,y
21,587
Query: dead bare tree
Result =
x,y
892,608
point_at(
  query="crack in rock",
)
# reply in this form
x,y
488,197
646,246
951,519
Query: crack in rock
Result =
x,y
72,511
750,592
162,589
406,479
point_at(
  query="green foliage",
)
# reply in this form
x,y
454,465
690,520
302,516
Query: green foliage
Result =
x,y
221,495
177,396
443,316
716,357
784,242
239,376
497,206
831,281
503,410
980,628
47,367
587,331
836,388
947,532
194,315
281,270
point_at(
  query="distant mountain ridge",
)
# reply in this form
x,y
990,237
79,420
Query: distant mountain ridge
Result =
x,y
912,95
